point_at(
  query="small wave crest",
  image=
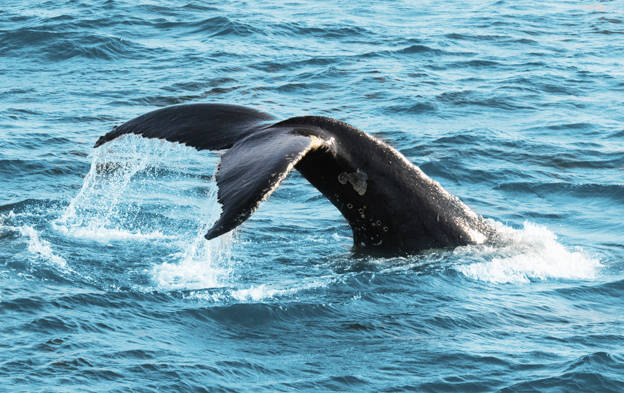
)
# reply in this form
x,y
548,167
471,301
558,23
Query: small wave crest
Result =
x,y
524,255
40,247
37,246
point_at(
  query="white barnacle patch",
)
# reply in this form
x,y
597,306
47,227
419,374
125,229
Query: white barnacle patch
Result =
x,y
357,179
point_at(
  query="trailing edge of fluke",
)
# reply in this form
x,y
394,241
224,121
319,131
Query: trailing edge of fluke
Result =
x,y
392,206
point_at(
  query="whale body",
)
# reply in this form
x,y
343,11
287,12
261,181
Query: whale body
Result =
x,y
392,206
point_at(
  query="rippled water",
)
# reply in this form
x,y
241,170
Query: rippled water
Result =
x,y
106,282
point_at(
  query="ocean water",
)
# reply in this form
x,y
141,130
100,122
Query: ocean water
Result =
x,y
106,281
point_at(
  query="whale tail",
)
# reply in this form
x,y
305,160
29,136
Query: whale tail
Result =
x,y
258,159
389,203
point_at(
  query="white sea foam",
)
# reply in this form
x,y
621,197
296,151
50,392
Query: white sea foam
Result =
x,y
262,292
105,235
528,254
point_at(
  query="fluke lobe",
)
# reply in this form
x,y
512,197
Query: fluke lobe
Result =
x,y
392,206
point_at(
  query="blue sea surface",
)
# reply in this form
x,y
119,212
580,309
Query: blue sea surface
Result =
x,y
106,280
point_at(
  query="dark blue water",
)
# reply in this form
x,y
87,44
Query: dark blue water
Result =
x,y
106,281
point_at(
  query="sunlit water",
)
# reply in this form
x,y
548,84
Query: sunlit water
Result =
x,y
106,280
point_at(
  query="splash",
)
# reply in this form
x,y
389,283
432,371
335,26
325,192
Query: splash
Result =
x,y
530,254
202,264
108,206
155,192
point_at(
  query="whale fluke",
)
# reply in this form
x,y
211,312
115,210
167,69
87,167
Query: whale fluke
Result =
x,y
391,205
202,126
252,169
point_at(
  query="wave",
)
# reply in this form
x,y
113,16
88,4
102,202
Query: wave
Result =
x,y
255,314
39,248
50,45
411,108
593,191
327,31
477,98
597,371
222,26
